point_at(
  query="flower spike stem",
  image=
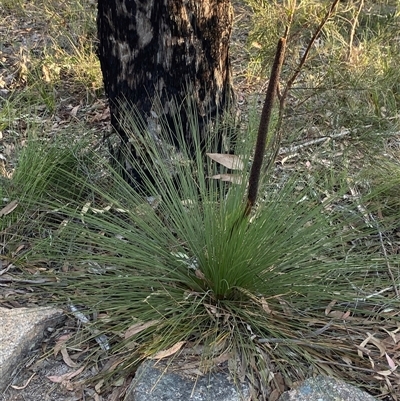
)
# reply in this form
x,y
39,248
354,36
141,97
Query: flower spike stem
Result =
x,y
264,125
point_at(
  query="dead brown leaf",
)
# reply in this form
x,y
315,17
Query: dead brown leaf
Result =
x,y
67,359
234,178
25,385
336,314
329,307
275,394
8,208
168,352
378,344
74,111
233,162
374,341
390,362
385,372
60,344
265,306
138,327
66,377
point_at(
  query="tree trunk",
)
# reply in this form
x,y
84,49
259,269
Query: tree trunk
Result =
x,y
152,49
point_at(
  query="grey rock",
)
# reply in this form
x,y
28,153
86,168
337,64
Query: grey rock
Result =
x,y
22,330
322,388
153,384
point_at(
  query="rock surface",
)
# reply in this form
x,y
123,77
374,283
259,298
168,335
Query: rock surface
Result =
x,y
153,384
21,331
323,388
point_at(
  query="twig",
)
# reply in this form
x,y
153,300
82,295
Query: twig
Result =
x,y
354,367
10,279
295,148
375,294
290,82
353,31
290,341
308,49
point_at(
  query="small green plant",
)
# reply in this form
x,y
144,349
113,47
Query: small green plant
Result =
x,y
38,175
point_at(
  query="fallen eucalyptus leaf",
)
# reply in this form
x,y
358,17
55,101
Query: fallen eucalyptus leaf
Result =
x,y
232,162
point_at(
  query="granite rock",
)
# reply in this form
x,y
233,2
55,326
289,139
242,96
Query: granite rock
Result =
x,y
153,384
322,388
21,331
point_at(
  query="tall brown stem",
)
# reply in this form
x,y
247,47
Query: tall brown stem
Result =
x,y
264,125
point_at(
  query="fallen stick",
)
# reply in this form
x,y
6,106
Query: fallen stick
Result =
x,y
295,148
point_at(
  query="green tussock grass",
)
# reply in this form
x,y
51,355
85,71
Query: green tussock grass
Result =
x,y
184,266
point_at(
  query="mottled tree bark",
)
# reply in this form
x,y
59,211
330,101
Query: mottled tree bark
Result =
x,y
153,48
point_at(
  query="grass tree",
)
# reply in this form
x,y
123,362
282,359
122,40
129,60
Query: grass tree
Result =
x,y
303,284
289,288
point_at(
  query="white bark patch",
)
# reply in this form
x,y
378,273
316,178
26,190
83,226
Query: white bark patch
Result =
x,y
144,28
122,51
